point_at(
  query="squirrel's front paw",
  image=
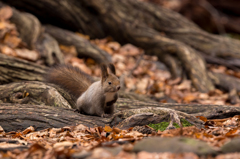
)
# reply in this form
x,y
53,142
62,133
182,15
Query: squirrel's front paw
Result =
x,y
106,115
78,111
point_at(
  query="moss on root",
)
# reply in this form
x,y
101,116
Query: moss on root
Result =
x,y
163,125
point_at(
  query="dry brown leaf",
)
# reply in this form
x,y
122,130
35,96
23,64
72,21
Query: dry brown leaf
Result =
x,y
11,41
29,129
129,50
108,128
186,84
118,58
116,130
87,37
188,98
69,50
5,13
202,118
82,67
63,144
27,54
232,132
114,45
80,128
106,48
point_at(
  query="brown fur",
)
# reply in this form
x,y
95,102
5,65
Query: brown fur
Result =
x,y
99,98
93,98
69,78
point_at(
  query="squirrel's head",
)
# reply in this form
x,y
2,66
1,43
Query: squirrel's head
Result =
x,y
110,81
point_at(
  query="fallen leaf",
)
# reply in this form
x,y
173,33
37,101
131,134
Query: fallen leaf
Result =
x,y
108,128
5,13
27,54
11,41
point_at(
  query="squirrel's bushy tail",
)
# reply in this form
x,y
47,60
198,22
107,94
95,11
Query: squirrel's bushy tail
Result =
x,y
69,78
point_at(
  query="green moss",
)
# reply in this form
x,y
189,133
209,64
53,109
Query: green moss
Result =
x,y
163,125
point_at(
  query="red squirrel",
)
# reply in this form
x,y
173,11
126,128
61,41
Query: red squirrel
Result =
x,y
92,98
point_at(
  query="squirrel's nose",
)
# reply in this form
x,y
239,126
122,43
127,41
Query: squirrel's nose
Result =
x,y
118,87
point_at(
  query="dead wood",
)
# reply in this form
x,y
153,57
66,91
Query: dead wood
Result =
x,y
84,47
228,83
31,33
20,116
28,26
13,69
208,111
31,97
49,49
231,63
35,93
173,64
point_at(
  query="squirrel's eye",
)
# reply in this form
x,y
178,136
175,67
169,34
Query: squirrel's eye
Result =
x,y
109,83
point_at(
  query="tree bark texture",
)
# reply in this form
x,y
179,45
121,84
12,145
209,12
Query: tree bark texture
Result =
x,y
84,47
36,104
13,69
20,116
36,37
36,93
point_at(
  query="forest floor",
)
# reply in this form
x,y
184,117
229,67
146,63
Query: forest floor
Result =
x,y
138,73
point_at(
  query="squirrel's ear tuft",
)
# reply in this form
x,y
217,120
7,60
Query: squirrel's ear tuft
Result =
x,y
104,72
112,68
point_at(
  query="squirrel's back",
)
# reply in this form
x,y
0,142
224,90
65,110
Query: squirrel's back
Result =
x,y
69,78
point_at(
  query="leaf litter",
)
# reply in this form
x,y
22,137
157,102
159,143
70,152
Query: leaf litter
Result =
x,y
80,140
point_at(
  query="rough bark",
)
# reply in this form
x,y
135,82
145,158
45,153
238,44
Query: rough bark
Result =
x,y
29,99
36,93
31,33
208,111
230,63
49,49
84,47
228,83
23,70
36,37
28,26
63,14
14,69
21,116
